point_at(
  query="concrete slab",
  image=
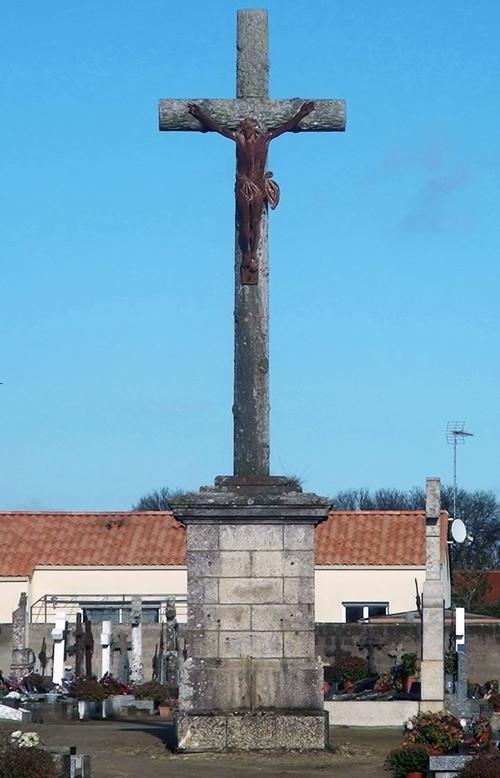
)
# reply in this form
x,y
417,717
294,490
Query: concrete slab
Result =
x,y
370,713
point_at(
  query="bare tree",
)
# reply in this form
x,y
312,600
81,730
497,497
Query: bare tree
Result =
x,y
479,510
158,500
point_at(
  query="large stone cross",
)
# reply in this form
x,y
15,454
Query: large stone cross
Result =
x,y
252,106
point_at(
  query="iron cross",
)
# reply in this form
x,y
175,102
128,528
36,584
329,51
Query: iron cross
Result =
x,y
254,192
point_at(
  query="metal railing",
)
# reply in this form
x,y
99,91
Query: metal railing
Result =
x,y
43,611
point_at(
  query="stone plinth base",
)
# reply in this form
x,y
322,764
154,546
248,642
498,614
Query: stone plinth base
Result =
x,y
250,629
447,766
269,730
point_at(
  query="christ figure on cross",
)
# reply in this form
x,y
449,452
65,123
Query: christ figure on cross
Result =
x,y
254,186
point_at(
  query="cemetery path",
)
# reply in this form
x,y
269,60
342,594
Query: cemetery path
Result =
x,y
127,749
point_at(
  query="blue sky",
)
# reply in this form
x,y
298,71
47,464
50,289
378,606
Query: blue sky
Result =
x,y
117,246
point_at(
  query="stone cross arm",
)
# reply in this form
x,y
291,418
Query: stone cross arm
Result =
x,y
327,116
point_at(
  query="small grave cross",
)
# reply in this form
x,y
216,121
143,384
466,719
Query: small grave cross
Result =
x,y
252,120
79,646
369,645
397,653
88,645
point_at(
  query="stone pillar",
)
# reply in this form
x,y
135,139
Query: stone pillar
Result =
x,y
171,666
251,680
432,668
136,665
22,657
106,644
59,638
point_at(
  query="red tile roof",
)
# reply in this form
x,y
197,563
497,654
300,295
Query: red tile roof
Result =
x,y
116,538
28,540
493,593
374,538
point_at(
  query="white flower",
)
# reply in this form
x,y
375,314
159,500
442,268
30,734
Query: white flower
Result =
x,y
408,725
25,739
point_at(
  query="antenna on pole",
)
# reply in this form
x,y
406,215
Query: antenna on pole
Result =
x,y
456,435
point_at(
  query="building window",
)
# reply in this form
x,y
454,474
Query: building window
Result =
x,y
119,615
354,611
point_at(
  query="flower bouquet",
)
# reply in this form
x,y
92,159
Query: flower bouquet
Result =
x,y
478,732
438,732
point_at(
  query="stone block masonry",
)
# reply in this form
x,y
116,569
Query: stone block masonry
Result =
x,y
251,679
252,585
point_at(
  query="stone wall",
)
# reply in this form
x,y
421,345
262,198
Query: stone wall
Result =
x,y
150,637
483,644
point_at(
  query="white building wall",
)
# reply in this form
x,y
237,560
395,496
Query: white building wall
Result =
x,y
334,585
10,590
143,581
338,584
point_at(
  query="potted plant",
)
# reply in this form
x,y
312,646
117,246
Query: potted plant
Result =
x,y
167,708
439,732
408,668
151,690
407,762
91,696
478,732
349,669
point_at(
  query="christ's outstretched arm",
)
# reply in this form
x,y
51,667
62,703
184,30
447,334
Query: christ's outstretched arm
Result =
x,y
209,123
292,123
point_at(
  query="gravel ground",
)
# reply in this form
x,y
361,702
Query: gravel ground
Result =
x,y
132,749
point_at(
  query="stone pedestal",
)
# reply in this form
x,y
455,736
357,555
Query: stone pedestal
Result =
x,y
251,680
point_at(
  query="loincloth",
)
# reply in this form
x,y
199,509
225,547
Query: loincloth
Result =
x,y
251,189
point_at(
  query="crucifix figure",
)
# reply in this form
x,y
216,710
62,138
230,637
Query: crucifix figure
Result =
x,y
254,188
252,120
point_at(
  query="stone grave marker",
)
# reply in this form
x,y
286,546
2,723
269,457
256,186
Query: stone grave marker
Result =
x,y
23,658
59,647
78,646
459,702
106,647
123,666
88,646
136,663
397,654
369,645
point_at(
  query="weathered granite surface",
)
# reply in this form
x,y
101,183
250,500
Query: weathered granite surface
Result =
x,y
257,731
447,766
